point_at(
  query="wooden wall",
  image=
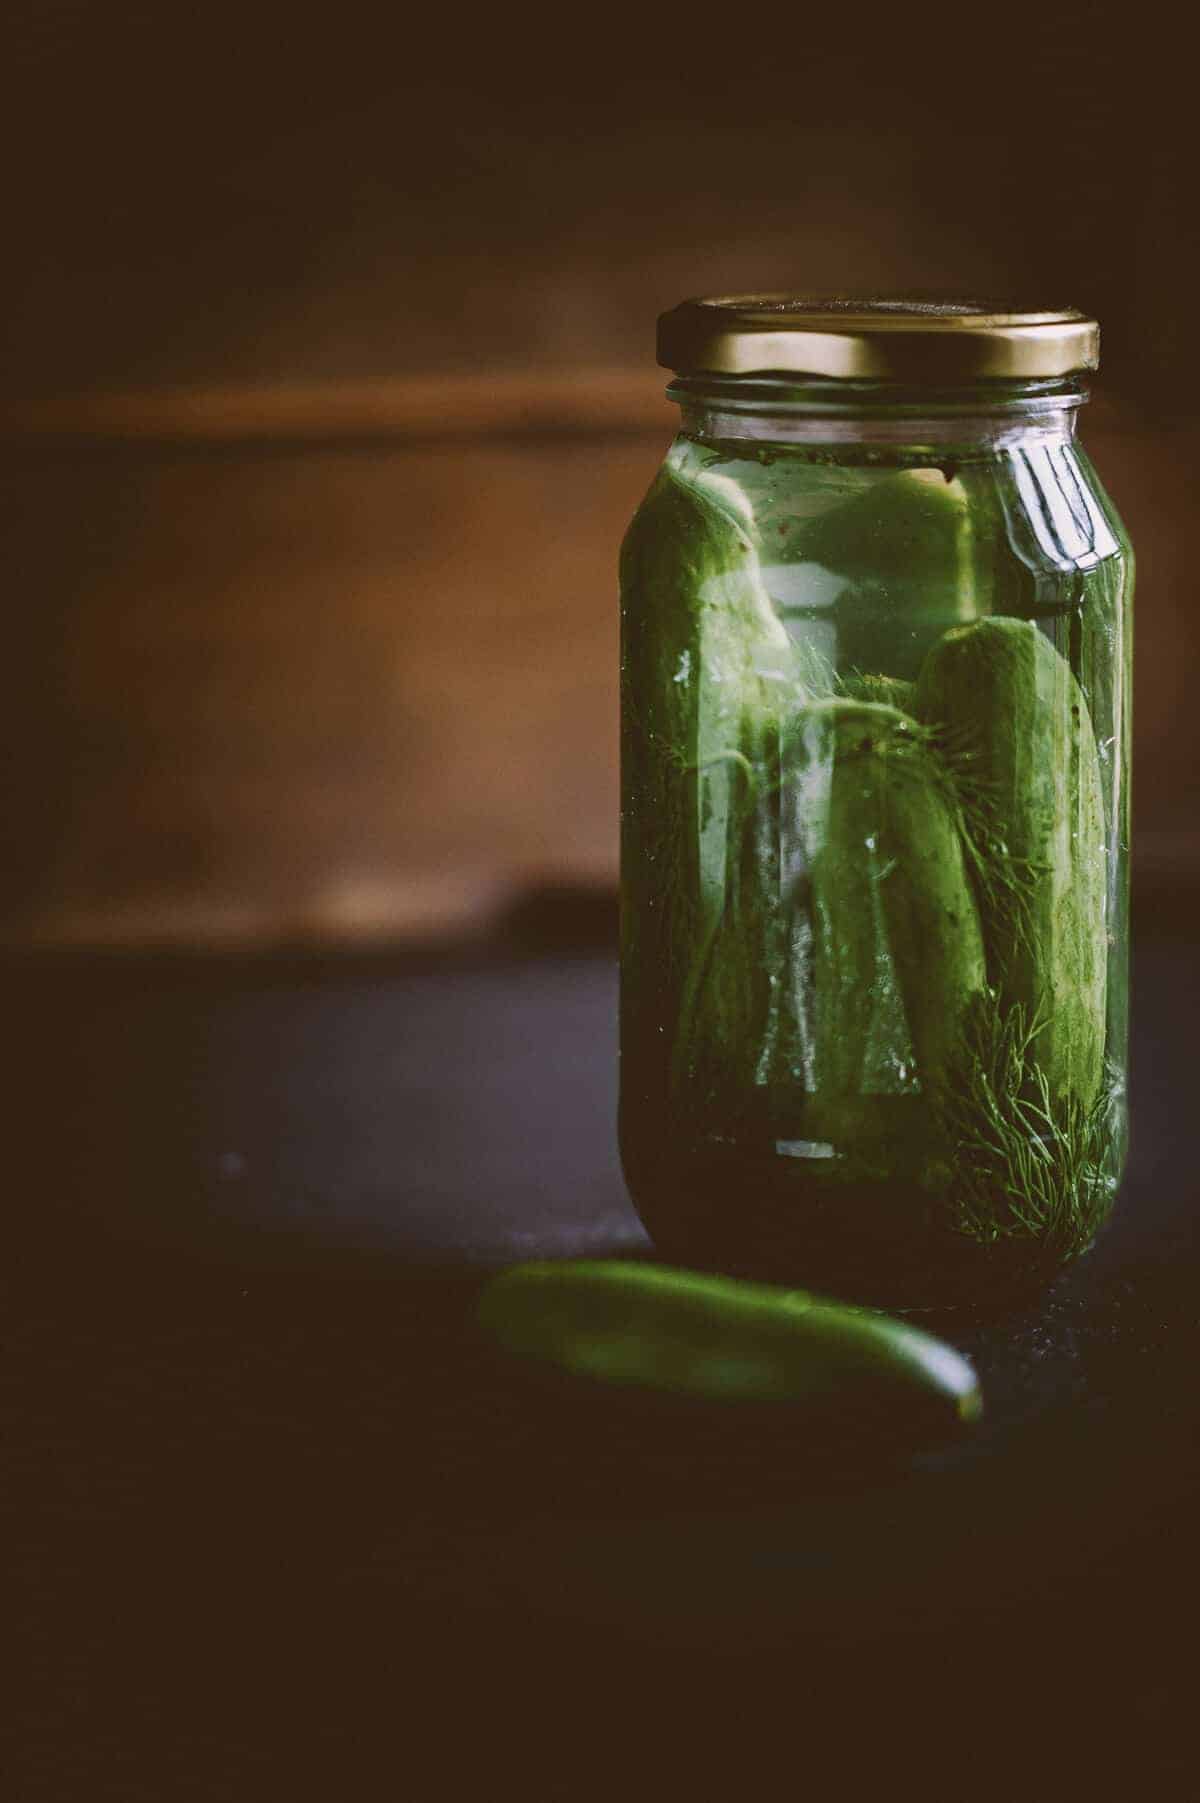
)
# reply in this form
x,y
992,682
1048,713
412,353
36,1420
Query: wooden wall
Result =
x,y
314,632
262,691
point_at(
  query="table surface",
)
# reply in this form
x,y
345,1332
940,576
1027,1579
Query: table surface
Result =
x,y
277,1516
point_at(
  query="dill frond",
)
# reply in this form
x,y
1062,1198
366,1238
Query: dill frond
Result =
x,y
1026,1164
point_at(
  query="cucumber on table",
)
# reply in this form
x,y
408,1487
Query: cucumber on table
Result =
x,y
720,1339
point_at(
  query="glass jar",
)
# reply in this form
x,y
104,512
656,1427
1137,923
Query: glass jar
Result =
x,y
875,681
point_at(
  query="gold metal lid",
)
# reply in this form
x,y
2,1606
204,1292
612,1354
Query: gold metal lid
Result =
x,y
942,341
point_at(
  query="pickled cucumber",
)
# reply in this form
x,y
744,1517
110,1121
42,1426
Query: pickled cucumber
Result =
x,y
704,662
906,548
851,879
897,946
1014,719
867,686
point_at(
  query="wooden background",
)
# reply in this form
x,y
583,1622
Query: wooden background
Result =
x,y
327,392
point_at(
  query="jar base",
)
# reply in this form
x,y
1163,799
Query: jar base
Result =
x,y
882,1244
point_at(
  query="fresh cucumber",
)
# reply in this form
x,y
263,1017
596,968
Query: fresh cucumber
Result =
x,y
719,1339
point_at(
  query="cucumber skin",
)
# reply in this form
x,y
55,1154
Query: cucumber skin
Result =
x,y
906,548
703,660
719,1339
850,891
893,691
898,948
738,1027
1000,689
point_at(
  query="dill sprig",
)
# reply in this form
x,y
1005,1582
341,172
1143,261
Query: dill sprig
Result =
x,y
1024,1164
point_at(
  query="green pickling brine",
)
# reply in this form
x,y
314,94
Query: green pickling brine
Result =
x,y
875,681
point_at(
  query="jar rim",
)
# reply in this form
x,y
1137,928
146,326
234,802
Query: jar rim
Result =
x,y
915,339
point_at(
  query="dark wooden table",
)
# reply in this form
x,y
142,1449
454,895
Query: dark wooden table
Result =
x,y
279,1526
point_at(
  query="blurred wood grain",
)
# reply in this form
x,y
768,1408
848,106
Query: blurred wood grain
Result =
x,y
305,663
498,403
263,693
326,394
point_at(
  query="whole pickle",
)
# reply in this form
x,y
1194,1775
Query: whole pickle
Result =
x,y
897,954
1013,718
